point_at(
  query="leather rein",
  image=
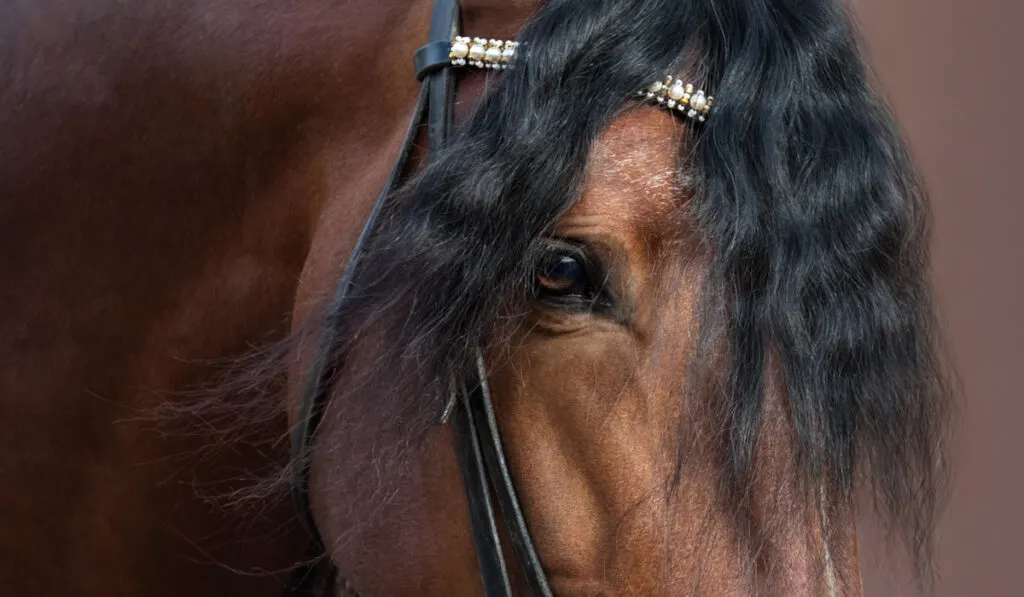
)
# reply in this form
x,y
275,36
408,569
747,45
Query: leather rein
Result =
x,y
477,439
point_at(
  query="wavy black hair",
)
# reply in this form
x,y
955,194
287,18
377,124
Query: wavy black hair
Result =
x,y
803,190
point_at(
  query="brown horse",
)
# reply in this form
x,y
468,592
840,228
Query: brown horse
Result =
x,y
702,338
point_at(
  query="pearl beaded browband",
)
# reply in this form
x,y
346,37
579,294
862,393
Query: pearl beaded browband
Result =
x,y
671,93
676,95
482,53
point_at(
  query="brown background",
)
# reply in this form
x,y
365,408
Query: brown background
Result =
x,y
953,71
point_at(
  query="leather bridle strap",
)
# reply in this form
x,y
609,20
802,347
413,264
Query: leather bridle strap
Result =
x,y
480,448
433,94
478,443
317,383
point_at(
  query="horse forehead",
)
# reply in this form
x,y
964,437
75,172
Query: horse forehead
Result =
x,y
632,177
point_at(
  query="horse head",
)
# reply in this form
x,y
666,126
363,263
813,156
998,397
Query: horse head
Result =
x,y
690,330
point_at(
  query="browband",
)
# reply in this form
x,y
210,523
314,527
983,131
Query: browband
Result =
x,y
670,93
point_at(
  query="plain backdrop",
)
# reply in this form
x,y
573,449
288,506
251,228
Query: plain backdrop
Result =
x,y
953,71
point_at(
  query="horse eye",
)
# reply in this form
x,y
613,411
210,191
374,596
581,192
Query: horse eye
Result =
x,y
562,274
563,278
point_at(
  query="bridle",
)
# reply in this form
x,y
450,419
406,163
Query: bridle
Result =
x,y
471,410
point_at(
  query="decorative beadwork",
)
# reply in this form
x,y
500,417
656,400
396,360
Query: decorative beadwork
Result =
x,y
482,53
673,94
670,93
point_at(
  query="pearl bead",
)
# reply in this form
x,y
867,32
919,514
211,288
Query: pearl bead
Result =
x,y
460,50
698,101
493,54
657,87
476,52
676,92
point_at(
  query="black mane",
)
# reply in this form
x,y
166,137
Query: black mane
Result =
x,y
804,191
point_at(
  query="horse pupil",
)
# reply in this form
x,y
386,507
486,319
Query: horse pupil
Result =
x,y
567,269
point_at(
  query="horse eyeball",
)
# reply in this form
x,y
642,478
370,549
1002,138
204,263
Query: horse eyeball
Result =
x,y
564,275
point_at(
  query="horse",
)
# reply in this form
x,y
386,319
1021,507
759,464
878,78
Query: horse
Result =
x,y
673,344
